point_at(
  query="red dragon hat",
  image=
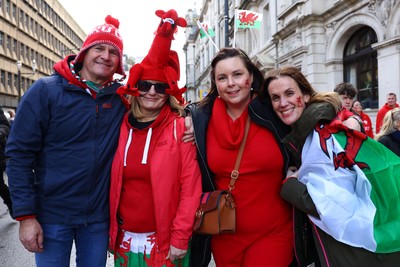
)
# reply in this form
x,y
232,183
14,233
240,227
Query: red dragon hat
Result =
x,y
161,63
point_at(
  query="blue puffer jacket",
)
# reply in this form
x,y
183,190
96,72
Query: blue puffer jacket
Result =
x,y
60,152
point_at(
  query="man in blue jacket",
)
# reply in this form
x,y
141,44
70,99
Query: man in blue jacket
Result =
x,y
60,151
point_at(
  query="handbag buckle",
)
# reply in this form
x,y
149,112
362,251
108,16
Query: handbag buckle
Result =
x,y
199,213
235,174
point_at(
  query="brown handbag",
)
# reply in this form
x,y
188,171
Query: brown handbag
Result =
x,y
216,213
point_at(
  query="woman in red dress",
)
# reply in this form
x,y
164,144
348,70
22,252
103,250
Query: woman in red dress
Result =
x,y
264,235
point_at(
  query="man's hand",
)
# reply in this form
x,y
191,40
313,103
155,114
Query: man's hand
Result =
x,y
292,172
188,135
31,235
175,253
352,123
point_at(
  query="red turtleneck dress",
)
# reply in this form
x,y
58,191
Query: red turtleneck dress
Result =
x,y
263,219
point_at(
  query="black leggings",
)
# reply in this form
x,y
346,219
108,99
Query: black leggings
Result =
x,y
5,192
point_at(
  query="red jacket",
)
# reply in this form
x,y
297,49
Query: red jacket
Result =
x,y
176,185
367,124
381,114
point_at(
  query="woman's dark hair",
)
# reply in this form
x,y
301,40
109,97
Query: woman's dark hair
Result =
x,y
229,52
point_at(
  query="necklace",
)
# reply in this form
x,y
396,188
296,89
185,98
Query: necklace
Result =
x,y
90,84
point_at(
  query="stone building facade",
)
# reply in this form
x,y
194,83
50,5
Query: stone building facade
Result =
x,y
331,41
34,33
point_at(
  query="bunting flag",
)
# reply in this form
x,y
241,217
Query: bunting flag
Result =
x,y
248,19
205,30
354,182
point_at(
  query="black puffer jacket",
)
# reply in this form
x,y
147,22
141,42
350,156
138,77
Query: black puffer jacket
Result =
x,y
392,141
4,130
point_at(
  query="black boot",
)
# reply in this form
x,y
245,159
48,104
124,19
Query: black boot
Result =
x,y
5,195
9,206
8,202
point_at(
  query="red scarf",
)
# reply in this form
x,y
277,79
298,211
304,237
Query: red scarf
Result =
x,y
230,133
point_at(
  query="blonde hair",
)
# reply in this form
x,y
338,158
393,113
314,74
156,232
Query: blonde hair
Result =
x,y
330,97
389,123
171,101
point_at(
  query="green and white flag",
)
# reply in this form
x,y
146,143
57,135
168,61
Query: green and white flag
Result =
x,y
205,30
248,19
354,182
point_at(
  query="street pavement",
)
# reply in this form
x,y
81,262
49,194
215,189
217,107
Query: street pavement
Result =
x,y
12,252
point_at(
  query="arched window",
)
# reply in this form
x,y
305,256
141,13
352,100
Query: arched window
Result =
x,y
361,66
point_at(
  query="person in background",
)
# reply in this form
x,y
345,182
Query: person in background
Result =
x,y
366,120
4,130
264,235
390,131
391,103
12,116
327,181
155,178
347,93
60,151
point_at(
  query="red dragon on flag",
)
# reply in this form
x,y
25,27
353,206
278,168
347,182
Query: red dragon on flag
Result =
x,y
247,18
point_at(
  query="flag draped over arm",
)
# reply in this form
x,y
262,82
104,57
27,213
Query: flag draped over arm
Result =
x,y
354,182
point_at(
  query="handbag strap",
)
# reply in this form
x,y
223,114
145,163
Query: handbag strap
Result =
x,y
235,172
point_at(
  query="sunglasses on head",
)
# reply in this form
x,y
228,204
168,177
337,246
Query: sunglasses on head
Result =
x,y
144,86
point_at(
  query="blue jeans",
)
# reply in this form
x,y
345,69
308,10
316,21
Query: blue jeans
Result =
x,y
91,242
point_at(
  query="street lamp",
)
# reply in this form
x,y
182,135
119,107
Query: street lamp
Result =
x,y
19,66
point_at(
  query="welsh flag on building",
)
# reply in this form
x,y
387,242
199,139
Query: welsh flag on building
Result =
x,y
247,19
354,182
203,27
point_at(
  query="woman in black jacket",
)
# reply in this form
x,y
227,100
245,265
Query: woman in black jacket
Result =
x,y
390,131
260,113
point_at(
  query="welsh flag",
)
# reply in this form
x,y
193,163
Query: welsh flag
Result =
x,y
248,19
205,29
354,182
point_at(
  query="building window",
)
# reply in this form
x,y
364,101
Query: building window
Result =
x,y
266,33
21,50
16,81
9,43
15,45
26,18
1,38
361,66
21,16
9,78
8,7
3,78
23,83
14,11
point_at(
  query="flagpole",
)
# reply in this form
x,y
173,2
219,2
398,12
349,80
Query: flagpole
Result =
x,y
206,33
234,29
